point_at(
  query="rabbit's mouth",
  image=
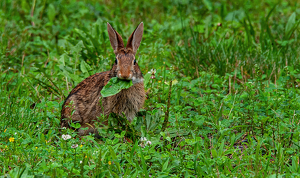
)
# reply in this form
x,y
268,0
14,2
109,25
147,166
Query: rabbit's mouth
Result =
x,y
126,80
133,79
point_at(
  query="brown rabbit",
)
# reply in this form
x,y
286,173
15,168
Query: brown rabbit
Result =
x,y
83,103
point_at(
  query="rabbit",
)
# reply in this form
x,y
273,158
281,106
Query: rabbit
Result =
x,y
84,104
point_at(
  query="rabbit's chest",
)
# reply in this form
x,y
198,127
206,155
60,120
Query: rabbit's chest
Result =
x,y
128,101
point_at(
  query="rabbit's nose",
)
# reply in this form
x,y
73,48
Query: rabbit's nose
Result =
x,y
126,76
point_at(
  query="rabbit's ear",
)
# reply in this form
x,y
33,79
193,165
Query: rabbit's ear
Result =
x,y
115,38
135,38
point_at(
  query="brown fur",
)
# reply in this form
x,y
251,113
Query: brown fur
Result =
x,y
83,103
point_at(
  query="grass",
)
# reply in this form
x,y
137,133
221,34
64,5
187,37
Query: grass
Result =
x,y
227,77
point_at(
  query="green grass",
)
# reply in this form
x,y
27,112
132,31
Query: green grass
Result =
x,y
232,108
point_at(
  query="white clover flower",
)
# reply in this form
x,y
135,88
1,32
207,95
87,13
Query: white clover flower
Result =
x,y
142,145
153,71
66,137
143,139
148,143
74,146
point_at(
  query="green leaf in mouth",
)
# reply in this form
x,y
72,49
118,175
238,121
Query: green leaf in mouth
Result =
x,y
114,86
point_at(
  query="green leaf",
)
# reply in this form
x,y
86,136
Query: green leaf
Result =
x,y
20,172
77,126
133,150
208,4
165,165
147,78
67,73
77,48
114,156
145,171
114,86
290,24
63,58
51,12
214,153
84,67
237,15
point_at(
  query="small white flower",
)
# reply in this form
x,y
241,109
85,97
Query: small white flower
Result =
x,y
148,143
15,133
143,139
66,137
80,162
153,71
142,145
74,146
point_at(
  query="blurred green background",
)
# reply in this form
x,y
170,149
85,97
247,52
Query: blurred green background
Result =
x,y
182,33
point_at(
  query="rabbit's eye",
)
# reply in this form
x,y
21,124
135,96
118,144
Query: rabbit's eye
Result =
x,y
134,62
116,61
